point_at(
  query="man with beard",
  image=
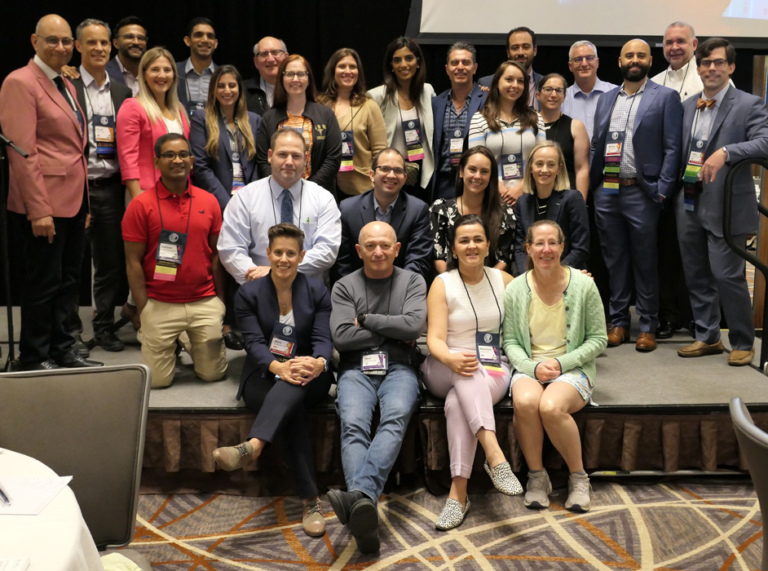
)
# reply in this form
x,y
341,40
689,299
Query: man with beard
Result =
x,y
130,41
196,71
521,47
636,154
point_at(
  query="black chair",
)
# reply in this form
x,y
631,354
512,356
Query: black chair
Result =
x,y
754,445
88,423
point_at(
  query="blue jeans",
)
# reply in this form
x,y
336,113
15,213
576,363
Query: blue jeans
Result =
x,y
367,461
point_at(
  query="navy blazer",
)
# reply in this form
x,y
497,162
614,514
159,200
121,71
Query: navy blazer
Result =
x,y
114,71
741,125
181,84
439,105
118,91
657,140
213,175
257,311
568,209
410,219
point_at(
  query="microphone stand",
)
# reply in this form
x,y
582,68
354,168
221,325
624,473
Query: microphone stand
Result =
x,y
4,249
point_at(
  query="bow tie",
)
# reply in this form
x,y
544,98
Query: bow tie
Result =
x,y
702,103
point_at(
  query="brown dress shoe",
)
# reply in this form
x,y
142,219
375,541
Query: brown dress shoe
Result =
x,y
646,342
739,358
699,349
617,336
313,522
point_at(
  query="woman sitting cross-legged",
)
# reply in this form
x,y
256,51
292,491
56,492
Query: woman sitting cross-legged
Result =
x,y
466,312
554,328
285,320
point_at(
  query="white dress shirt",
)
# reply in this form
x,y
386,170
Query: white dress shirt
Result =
x,y
98,101
685,81
256,207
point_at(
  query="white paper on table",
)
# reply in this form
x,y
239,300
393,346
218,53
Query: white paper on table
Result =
x,y
29,496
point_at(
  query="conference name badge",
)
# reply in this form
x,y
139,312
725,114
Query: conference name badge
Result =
x,y
456,147
283,342
412,134
170,253
375,362
104,135
347,151
488,347
512,166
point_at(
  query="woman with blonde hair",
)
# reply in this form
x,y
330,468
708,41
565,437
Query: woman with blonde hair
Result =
x,y
141,121
363,134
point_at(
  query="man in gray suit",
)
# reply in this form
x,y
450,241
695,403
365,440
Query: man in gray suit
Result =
x,y
722,126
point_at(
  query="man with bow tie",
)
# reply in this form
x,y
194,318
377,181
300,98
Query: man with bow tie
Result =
x,y
721,126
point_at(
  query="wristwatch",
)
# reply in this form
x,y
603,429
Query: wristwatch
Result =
x,y
325,363
361,319
727,155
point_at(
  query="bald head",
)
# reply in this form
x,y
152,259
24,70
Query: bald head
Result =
x,y
378,248
635,60
53,41
376,228
267,55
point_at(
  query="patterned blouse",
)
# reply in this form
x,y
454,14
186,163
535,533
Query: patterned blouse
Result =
x,y
442,215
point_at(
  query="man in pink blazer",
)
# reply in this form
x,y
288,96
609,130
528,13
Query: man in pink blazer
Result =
x,y
48,198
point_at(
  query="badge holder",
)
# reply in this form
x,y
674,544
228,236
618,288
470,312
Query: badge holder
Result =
x,y
456,147
347,151
488,347
375,362
104,135
614,147
283,342
691,173
195,106
412,133
170,253
511,166
238,177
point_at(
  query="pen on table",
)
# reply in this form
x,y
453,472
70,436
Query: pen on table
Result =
x,y
4,497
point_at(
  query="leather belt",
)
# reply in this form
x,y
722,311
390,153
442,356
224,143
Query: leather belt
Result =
x,y
109,181
627,181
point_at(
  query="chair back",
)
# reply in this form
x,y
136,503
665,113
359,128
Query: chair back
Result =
x,y
87,423
753,443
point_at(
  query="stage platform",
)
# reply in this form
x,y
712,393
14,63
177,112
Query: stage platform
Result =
x,y
656,411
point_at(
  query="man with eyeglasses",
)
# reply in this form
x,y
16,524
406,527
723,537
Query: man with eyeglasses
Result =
x,y
195,72
521,47
581,97
48,195
281,197
268,53
722,125
408,215
173,267
452,111
130,41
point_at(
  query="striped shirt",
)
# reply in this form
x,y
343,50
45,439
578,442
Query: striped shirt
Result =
x,y
508,141
623,119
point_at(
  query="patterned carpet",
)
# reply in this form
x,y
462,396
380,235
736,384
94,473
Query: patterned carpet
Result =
x,y
686,525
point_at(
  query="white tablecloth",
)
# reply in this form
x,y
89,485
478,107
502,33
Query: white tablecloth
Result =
x,y
55,539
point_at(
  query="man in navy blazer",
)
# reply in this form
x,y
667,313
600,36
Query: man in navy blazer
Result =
x,y
521,47
408,215
130,41
634,168
452,111
721,126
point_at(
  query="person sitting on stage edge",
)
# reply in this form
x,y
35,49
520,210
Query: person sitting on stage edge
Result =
x,y
170,234
554,328
378,313
465,365
284,317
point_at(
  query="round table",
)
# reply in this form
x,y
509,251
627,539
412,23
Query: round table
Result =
x,y
56,538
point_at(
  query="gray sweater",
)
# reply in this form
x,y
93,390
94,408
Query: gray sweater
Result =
x,y
401,316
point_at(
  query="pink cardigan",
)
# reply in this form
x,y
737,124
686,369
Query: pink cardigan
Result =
x,y
136,138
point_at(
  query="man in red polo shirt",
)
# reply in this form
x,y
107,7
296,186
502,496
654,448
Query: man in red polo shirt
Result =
x,y
173,268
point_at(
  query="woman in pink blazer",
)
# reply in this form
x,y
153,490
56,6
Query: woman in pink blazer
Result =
x,y
141,121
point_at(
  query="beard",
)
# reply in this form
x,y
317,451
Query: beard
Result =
x,y
635,72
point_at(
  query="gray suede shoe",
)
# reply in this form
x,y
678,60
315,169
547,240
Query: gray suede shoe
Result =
x,y
579,493
537,490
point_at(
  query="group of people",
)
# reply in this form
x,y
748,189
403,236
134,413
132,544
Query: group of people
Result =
x,y
249,198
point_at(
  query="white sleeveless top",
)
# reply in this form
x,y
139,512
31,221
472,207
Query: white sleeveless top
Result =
x,y
461,318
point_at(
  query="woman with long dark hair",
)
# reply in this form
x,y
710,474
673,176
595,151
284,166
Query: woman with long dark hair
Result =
x,y
477,192
508,127
363,134
406,103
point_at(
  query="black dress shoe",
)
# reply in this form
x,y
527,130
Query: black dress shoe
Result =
x,y
364,525
232,341
47,365
73,361
108,341
81,347
666,329
342,503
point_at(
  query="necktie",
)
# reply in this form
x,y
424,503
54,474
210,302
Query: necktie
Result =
x,y
702,103
63,90
286,209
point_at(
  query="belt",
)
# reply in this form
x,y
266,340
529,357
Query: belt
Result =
x,y
398,353
109,181
627,181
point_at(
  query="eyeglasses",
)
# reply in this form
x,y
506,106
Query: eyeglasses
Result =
x,y
719,63
385,169
134,37
292,74
53,41
171,156
274,53
579,59
548,90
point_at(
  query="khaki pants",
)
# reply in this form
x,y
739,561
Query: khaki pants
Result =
x,y
161,325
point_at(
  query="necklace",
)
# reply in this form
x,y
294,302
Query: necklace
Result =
x,y
541,209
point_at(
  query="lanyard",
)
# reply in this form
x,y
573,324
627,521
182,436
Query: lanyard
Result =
x,y
90,104
400,111
389,302
352,120
520,130
160,210
469,297
556,124
629,113
687,67
301,194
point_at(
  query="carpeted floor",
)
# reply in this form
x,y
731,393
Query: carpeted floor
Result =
x,y
697,524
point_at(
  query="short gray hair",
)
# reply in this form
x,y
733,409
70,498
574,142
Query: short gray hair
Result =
x,y
461,46
91,22
256,47
681,25
579,44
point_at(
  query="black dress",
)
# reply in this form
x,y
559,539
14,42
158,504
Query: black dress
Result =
x,y
560,132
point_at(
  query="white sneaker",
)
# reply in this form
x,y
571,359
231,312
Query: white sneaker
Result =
x,y
579,493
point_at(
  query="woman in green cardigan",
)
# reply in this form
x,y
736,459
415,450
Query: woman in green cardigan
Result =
x,y
554,328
